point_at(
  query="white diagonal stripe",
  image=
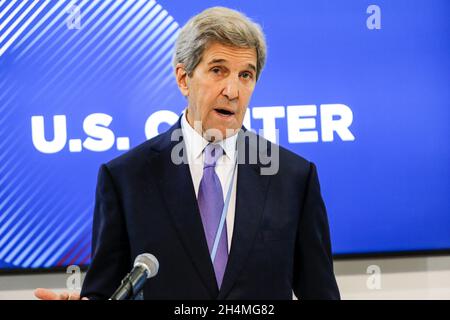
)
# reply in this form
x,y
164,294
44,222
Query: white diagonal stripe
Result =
x,y
136,41
61,234
30,234
59,34
61,247
17,21
19,218
10,146
9,132
38,243
123,32
16,212
22,28
11,192
161,40
14,94
18,236
53,224
149,29
99,33
150,87
73,46
167,20
37,25
5,10
9,171
168,44
156,82
49,26
131,71
12,14
29,223
56,65
77,253
7,113
110,55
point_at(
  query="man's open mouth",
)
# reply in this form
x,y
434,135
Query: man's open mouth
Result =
x,y
224,112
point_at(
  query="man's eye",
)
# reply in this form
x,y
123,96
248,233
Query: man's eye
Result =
x,y
247,75
215,70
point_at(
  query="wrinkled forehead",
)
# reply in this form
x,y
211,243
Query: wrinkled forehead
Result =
x,y
232,56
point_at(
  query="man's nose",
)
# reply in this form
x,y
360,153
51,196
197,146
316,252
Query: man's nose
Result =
x,y
231,89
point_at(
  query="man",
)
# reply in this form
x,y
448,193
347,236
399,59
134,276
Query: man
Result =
x,y
220,227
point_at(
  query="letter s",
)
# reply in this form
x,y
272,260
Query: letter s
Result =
x,y
95,125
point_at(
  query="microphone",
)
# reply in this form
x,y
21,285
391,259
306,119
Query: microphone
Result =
x,y
145,267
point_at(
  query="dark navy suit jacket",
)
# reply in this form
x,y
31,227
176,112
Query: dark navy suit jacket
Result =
x,y
146,203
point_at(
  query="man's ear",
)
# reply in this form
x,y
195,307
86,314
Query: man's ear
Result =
x,y
181,77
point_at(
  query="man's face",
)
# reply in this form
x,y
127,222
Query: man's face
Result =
x,y
219,89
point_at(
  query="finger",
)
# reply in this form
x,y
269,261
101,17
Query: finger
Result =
x,y
64,296
74,296
45,294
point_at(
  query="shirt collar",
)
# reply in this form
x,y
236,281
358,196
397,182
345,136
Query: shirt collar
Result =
x,y
195,143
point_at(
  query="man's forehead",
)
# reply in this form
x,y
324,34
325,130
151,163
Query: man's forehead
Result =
x,y
224,61
218,53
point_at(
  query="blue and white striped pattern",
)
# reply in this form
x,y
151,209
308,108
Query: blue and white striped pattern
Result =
x,y
119,63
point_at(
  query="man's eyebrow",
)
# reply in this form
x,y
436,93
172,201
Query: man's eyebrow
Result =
x,y
217,61
250,66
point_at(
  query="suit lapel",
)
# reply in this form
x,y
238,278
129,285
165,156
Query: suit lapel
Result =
x,y
250,199
176,184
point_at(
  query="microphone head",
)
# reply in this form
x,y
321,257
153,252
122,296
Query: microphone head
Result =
x,y
149,262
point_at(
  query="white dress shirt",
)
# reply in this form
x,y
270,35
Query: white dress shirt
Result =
x,y
195,144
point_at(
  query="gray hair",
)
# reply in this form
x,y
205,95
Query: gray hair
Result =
x,y
218,24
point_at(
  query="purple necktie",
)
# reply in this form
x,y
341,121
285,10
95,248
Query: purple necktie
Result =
x,y
210,202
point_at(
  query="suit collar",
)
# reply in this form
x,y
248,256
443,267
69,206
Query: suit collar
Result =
x,y
195,143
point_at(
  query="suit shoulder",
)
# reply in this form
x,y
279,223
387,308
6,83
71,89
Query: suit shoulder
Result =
x,y
291,158
288,158
277,159
137,156
293,165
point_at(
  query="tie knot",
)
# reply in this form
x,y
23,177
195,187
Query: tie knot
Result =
x,y
212,154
